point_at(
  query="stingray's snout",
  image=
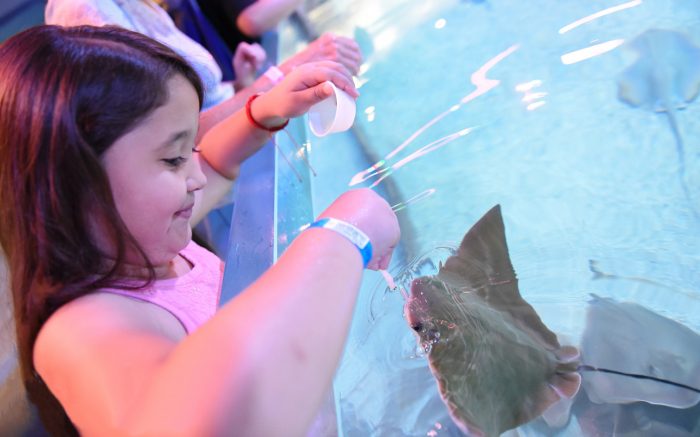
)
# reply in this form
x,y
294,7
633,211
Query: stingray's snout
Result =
x,y
412,314
415,307
417,326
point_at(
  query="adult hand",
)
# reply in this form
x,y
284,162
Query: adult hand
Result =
x,y
370,213
246,62
328,47
301,89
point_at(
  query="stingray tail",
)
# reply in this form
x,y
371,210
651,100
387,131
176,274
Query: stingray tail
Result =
x,y
587,368
681,158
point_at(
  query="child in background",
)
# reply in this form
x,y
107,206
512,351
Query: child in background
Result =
x,y
100,181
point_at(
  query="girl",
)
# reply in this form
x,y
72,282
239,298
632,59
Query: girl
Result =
x,y
100,183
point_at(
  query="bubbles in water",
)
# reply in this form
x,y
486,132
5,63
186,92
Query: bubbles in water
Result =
x,y
434,431
428,344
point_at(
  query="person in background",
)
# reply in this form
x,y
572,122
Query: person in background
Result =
x,y
246,20
115,307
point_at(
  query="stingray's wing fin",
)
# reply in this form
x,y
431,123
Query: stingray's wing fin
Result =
x,y
482,266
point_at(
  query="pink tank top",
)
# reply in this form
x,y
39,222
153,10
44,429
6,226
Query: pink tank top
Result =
x,y
191,298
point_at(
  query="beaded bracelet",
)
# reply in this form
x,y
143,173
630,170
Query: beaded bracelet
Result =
x,y
254,122
356,236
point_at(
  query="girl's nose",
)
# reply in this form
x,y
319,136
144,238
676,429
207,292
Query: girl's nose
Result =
x,y
196,180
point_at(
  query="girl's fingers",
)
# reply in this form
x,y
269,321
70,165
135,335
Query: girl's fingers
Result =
x,y
313,74
340,75
345,83
315,94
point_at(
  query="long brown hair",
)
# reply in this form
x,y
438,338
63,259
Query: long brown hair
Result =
x,y
66,95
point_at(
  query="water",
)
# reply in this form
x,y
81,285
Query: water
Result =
x,y
465,105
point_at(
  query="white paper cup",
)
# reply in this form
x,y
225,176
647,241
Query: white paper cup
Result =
x,y
333,114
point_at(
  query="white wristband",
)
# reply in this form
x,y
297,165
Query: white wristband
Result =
x,y
356,236
274,74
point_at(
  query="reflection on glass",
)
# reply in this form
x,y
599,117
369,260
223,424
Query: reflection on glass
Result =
x,y
420,196
483,85
533,99
599,14
370,113
591,51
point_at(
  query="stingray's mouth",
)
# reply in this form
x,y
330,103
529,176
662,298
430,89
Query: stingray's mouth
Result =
x,y
425,329
417,313
413,314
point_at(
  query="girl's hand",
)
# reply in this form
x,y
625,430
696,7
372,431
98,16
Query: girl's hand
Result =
x,y
369,212
247,60
328,47
300,90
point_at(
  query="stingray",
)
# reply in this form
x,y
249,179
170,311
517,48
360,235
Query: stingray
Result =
x,y
664,78
634,340
496,363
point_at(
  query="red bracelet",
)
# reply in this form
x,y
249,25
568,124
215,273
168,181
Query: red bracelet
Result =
x,y
255,123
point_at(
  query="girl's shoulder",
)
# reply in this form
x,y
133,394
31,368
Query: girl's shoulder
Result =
x,y
99,317
94,350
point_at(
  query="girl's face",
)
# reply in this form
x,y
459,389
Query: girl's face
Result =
x,y
154,175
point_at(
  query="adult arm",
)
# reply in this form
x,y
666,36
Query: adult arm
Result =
x,y
260,366
264,15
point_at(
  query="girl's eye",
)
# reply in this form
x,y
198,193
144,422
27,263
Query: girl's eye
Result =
x,y
175,162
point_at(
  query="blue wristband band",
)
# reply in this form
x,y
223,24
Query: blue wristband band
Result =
x,y
356,236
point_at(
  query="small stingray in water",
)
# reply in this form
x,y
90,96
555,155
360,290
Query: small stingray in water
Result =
x,y
497,365
664,78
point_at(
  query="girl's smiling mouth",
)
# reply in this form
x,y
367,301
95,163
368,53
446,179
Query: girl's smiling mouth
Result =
x,y
185,212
